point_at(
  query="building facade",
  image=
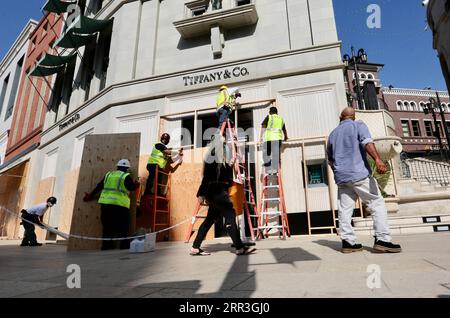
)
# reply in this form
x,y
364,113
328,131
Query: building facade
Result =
x,y
155,66
406,107
10,78
438,13
416,128
27,122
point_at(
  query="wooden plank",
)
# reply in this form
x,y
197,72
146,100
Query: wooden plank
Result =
x,y
12,194
44,191
67,201
100,155
185,184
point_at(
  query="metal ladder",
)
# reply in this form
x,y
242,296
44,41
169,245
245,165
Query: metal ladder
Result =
x,y
240,168
272,194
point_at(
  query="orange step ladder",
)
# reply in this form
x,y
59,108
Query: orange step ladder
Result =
x,y
155,208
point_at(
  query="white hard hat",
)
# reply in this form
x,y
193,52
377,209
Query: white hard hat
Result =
x,y
124,163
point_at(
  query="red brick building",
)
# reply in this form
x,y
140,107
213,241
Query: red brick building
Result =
x,y
406,106
34,92
413,126
33,97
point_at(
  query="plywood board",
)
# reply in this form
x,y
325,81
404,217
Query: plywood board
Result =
x,y
67,201
185,183
44,191
12,192
100,155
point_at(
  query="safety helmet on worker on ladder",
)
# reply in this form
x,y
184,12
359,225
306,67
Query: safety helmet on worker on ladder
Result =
x,y
125,163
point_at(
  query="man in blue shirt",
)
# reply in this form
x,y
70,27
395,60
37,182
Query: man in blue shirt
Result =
x,y
348,147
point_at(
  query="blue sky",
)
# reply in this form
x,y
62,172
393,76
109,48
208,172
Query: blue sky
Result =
x,y
401,43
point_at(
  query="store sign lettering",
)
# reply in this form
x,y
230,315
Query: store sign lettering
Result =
x,y
236,72
70,122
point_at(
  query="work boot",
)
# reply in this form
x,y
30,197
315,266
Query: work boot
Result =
x,y
348,248
386,247
25,244
35,244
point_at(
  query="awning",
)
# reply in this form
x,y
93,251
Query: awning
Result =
x,y
80,32
85,25
57,6
73,41
50,60
42,71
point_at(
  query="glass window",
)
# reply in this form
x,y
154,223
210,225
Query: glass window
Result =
x,y
428,128
415,128
3,92
421,106
405,128
317,174
14,88
188,131
242,2
440,129
405,105
206,128
399,105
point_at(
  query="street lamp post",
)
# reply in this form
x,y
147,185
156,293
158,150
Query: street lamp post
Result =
x,y
444,123
354,60
430,108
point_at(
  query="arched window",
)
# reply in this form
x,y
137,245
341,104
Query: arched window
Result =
x,y
405,106
370,76
421,106
448,108
414,107
363,76
399,105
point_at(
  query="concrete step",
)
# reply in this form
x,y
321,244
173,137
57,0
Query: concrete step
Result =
x,y
408,229
405,220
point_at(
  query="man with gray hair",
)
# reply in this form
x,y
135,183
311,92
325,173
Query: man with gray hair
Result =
x,y
348,147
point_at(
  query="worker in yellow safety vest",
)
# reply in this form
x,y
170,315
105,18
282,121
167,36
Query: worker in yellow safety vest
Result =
x,y
226,103
273,132
160,157
115,203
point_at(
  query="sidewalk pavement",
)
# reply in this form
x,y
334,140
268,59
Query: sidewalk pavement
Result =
x,y
297,267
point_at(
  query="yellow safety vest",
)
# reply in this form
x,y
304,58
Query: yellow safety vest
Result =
x,y
114,191
221,100
158,157
274,130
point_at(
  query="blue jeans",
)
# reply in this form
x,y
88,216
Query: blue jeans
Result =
x,y
223,113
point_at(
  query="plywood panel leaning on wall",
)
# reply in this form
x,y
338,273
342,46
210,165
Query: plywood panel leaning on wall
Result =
x,y
100,155
185,183
45,190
